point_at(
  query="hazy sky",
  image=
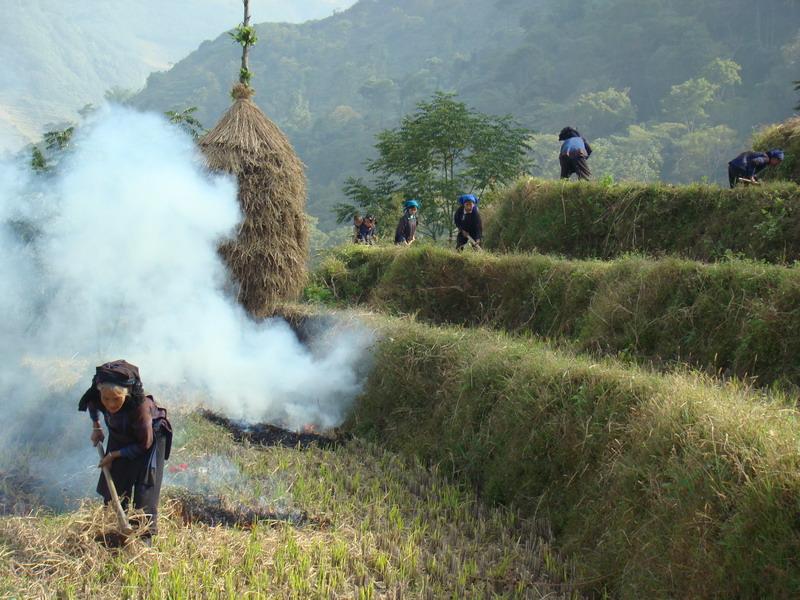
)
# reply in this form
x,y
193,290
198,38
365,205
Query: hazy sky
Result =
x,y
59,55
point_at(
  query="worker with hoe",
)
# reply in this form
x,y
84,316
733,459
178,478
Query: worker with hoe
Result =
x,y
575,150
406,233
139,437
747,165
468,222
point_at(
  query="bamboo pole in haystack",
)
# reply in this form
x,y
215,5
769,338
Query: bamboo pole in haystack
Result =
x,y
268,257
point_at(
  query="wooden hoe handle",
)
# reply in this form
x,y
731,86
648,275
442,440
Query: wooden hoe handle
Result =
x,y
124,526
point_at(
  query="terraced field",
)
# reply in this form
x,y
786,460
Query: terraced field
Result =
x,y
532,427
644,405
352,521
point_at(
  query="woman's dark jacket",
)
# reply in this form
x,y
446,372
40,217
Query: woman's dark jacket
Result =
x,y
406,228
469,222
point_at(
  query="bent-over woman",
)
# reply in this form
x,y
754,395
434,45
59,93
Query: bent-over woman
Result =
x,y
139,436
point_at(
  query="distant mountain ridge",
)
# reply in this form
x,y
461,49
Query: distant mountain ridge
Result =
x,y
332,84
59,55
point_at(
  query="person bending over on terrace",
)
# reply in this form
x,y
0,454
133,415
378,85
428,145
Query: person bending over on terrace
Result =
x,y
747,165
468,222
366,232
357,222
139,437
575,150
406,233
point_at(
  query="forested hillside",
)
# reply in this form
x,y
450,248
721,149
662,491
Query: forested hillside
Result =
x,y
59,55
672,87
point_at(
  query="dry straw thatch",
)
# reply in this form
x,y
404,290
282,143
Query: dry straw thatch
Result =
x,y
786,136
268,258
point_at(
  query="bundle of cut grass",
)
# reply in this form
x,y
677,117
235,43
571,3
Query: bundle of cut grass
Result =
x,y
268,258
784,135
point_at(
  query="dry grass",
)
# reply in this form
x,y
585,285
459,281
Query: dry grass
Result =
x,y
784,135
268,258
738,318
380,527
664,486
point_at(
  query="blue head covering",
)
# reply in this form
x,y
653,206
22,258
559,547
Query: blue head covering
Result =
x,y
776,153
411,203
468,197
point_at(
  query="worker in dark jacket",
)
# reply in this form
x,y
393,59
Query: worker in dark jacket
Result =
x,y
749,164
366,231
575,150
406,233
468,222
139,437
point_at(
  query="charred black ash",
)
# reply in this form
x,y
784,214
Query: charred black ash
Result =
x,y
214,510
264,434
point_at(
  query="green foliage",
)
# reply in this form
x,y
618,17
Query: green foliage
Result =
x,y
56,143
362,71
723,73
784,135
380,200
738,317
701,154
635,157
440,151
244,35
186,120
38,161
245,76
605,112
687,102
702,222
664,486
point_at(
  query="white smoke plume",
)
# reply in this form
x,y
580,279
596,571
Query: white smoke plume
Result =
x,y
115,256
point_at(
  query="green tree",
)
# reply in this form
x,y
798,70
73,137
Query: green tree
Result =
x,y
687,102
59,140
725,73
605,112
637,156
38,161
440,151
56,143
186,120
703,153
380,200
544,149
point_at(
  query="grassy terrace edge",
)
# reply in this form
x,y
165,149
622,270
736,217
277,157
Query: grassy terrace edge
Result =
x,y
738,317
595,220
660,486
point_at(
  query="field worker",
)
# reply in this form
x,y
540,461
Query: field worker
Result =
x,y
749,164
139,437
366,232
357,221
468,222
575,150
406,233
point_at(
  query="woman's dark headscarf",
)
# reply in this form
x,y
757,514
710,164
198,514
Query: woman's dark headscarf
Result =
x,y
118,372
568,133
